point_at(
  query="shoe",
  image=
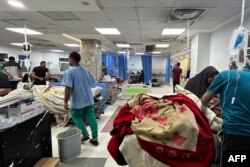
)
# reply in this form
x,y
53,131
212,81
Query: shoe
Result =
x,y
85,138
94,142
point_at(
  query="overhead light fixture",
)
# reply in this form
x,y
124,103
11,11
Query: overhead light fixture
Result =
x,y
72,45
156,53
121,52
162,45
181,57
103,50
23,31
68,36
139,53
123,45
108,31
16,3
172,31
18,44
59,51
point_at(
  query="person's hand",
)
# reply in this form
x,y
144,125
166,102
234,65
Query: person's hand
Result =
x,y
66,105
41,78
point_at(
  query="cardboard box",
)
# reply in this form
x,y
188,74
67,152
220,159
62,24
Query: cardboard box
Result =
x,y
22,111
47,162
4,111
39,107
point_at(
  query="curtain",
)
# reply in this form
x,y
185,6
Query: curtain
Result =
x,y
104,58
168,68
123,68
147,68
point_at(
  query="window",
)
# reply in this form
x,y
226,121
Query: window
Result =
x,y
64,64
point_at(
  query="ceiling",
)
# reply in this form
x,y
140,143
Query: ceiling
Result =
x,y
140,21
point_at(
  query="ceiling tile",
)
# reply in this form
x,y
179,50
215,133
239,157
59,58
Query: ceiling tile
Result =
x,y
92,16
75,23
156,3
130,31
152,24
205,24
121,13
134,40
60,15
176,24
55,5
126,24
151,31
101,24
154,13
231,3
117,3
21,23
195,3
220,14
150,36
6,15
29,15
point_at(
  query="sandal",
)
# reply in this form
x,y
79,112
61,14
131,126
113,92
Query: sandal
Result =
x,y
94,142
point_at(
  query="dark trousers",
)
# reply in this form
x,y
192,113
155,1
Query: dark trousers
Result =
x,y
174,84
13,84
231,144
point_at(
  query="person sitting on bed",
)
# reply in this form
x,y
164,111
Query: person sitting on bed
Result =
x,y
5,86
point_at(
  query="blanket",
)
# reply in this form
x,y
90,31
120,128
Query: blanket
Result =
x,y
171,129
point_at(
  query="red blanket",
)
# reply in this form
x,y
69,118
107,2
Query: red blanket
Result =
x,y
201,157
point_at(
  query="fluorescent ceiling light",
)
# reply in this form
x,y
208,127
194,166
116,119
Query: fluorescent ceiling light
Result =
x,y
103,50
18,44
156,52
123,45
16,3
181,57
22,31
172,31
72,45
121,52
162,45
59,51
108,31
68,36
139,53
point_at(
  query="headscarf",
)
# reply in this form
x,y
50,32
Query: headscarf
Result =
x,y
198,84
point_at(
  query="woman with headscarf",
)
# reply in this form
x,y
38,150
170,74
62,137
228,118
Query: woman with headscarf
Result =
x,y
198,84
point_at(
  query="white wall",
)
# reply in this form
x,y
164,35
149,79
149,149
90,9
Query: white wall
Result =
x,y
37,57
158,63
219,42
134,63
194,56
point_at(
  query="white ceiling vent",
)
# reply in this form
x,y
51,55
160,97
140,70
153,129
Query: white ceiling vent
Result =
x,y
184,14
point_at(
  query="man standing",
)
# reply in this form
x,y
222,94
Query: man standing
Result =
x,y
39,74
14,72
176,73
77,81
234,89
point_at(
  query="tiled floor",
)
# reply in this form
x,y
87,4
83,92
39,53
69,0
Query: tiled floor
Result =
x,y
89,151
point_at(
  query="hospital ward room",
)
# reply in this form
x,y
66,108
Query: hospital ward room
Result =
x,y
133,83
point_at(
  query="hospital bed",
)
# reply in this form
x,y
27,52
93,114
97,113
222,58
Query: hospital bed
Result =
x,y
129,90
